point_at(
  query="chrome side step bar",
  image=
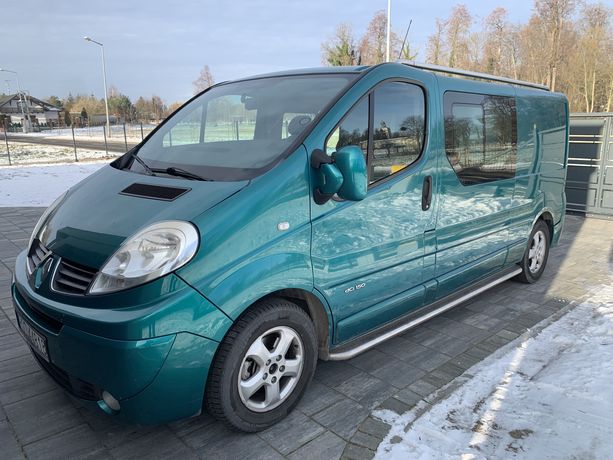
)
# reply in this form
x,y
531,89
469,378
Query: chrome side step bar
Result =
x,y
352,352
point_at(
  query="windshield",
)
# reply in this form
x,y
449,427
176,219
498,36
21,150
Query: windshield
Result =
x,y
234,131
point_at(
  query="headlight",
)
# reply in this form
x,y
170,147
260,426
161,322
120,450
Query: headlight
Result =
x,y
40,229
153,252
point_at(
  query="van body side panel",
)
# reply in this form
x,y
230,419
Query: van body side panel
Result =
x,y
244,255
472,227
368,255
542,122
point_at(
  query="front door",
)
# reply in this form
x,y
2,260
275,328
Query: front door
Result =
x,y
368,255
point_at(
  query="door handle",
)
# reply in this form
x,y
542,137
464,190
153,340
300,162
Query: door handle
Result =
x,y
426,193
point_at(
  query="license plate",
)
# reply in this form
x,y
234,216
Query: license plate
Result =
x,y
36,340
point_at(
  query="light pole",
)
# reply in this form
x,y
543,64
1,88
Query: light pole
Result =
x,y
26,121
389,30
106,101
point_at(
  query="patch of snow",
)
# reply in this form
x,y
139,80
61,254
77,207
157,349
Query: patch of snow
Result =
x,y
22,153
548,397
40,185
94,132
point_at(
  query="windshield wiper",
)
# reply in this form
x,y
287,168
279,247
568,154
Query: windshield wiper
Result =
x,y
173,171
146,167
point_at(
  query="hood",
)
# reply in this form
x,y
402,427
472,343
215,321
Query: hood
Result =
x,y
98,214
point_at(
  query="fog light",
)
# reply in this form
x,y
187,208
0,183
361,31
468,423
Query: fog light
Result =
x,y
110,401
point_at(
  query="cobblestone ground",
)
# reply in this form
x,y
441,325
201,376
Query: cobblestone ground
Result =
x,y
38,420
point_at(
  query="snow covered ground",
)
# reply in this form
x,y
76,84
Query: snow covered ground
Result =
x,y
40,185
22,153
133,131
541,398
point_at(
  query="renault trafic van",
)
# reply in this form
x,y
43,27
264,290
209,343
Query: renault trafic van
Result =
x,y
277,220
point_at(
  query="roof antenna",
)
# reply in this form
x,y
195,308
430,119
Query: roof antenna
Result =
x,y
405,39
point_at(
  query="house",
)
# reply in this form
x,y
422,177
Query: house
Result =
x,y
40,112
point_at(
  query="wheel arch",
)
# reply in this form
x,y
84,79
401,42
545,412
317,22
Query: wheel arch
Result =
x,y
546,216
315,306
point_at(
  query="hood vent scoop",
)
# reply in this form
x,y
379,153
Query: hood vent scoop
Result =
x,y
154,192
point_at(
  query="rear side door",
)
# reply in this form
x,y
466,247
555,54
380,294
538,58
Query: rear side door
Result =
x,y
477,185
368,256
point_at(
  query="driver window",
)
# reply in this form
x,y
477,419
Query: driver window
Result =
x,y
398,128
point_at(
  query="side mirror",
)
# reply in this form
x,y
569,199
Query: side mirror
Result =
x,y
344,173
329,179
350,160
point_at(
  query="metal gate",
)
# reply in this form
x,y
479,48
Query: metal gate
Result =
x,y
589,181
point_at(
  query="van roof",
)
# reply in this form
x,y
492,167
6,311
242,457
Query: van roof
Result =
x,y
442,73
310,71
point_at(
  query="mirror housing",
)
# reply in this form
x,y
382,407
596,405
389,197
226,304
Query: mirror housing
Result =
x,y
330,178
344,173
352,165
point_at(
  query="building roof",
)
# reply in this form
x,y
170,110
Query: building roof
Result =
x,y
33,101
6,98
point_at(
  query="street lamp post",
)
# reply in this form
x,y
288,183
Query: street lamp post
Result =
x,y
106,101
26,121
389,31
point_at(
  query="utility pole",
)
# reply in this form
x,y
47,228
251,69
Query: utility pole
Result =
x,y
106,101
26,121
389,30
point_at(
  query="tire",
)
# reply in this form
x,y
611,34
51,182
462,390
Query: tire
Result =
x,y
262,367
535,258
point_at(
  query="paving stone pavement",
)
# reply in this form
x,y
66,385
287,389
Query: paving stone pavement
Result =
x,y
38,420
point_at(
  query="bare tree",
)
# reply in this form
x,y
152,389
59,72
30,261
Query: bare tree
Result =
x,y
533,55
570,54
340,49
553,14
435,47
495,37
158,107
458,36
373,43
408,54
205,80
174,107
593,45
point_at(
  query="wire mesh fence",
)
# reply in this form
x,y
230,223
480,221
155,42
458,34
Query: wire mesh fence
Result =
x,y
52,144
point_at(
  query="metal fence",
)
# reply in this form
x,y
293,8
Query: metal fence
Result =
x,y
73,143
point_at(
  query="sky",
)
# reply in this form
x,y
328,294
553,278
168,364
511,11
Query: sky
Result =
x,y
159,47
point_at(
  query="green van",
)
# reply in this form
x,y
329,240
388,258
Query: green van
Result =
x,y
285,218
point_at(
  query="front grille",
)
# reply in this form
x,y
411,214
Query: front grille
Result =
x,y
38,252
72,278
75,386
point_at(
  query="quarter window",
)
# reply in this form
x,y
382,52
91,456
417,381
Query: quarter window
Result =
x,y
352,130
480,136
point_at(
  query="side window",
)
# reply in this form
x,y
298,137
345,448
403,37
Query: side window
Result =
x,y
186,131
352,130
399,128
480,136
229,119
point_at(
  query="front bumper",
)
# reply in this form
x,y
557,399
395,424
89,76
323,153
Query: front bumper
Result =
x,y
155,379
